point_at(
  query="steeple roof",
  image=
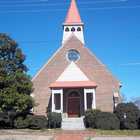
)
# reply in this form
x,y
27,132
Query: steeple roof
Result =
x,y
73,14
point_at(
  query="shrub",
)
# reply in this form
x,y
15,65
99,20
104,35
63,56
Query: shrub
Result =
x,y
38,122
8,117
139,120
107,121
4,124
22,120
55,119
132,114
139,123
90,117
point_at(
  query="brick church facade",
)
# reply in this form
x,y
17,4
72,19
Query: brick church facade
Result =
x,y
74,79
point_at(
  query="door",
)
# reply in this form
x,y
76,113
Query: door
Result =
x,y
73,107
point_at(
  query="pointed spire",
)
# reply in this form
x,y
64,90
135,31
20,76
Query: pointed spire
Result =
x,y
73,14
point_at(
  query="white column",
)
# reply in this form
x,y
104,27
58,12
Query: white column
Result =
x,y
85,99
57,91
62,100
116,96
52,100
89,90
93,101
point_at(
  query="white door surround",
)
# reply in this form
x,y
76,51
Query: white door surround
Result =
x,y
60,91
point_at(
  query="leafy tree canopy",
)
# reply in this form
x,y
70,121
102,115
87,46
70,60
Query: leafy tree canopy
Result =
x,y
15,84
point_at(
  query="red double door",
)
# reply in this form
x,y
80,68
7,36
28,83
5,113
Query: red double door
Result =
x,y
73,107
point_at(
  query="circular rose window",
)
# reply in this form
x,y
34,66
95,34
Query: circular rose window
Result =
x,y
73,55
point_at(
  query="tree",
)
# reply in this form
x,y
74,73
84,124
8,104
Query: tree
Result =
x,y
136,101
124,98
131,121
15,84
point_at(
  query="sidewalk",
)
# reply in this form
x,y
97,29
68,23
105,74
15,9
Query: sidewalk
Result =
x,y
62,135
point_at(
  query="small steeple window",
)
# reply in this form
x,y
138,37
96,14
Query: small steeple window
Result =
x,y
67,29
78,29
72,29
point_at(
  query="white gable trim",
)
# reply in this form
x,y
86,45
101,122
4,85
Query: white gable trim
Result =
x,y
72,74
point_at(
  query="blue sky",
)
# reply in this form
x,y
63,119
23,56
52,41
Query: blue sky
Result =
x,y
111,32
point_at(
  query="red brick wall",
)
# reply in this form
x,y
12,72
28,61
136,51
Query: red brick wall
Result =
x,y
92,67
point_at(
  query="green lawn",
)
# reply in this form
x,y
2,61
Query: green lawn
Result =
x,y
117,132
30,130
2,131
36,131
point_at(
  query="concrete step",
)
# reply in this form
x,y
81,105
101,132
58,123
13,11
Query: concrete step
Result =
x,y
73,124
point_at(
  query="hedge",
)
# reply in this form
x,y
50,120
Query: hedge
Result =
x,y
132,116
22,120
107,121
54,119
38,122
90,117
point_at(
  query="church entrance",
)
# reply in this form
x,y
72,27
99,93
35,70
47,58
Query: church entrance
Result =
x,y
73,104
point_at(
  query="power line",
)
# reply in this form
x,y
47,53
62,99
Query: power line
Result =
x,y
111,24
94,26
121,64
35,32
31,5
132,75
34,5
84,9
129,70
136,89
132,72
24,1
68,3
115,38
53,10
94,39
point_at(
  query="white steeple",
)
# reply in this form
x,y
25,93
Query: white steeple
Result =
x,y
73,24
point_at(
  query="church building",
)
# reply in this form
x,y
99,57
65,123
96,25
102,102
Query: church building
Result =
x,y
74,79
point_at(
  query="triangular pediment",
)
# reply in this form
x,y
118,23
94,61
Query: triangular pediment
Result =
x,y
72,74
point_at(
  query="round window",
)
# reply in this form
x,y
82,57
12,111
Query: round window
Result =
x,y
73,55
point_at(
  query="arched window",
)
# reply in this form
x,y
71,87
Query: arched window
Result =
x,y
67,29
73,94
72,29
78,29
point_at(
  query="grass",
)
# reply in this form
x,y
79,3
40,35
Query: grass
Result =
x,y
29,130
117,132
57,129
37,131
2,131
